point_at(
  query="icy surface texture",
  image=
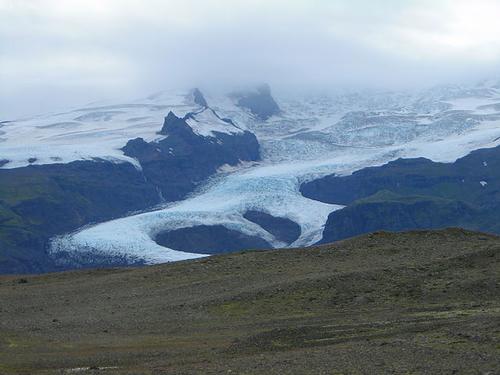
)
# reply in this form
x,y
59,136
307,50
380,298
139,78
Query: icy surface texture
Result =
x,y
312,136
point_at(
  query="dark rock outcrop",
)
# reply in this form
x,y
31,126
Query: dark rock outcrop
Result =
x,y
282,228
260,102
178,163
172,123
209,239
199,98
397,215
40,201
414,194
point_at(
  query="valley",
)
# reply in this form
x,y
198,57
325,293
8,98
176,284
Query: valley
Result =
x,y
214,160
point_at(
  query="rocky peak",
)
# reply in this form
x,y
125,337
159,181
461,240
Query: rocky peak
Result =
x,y
259,101
199,98
172,122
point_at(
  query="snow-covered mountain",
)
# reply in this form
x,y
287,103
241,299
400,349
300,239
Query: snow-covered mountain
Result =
x,y
301,137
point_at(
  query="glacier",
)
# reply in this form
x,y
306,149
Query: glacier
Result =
x,y
313,136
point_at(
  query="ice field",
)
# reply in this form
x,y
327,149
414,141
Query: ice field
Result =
x,y
314,135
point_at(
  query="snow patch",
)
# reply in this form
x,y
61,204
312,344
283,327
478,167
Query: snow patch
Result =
x,y
88,133
207,124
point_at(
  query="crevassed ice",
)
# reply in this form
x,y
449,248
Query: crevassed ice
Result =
x,y
313,137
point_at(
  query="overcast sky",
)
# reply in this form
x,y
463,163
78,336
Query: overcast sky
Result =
x,y
59,53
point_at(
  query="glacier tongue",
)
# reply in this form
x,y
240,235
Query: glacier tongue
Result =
x,y
310,138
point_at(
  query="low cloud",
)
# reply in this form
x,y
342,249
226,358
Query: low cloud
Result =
x,y
61,53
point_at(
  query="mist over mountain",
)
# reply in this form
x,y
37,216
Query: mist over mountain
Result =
x,y
126,125
249,186
57,54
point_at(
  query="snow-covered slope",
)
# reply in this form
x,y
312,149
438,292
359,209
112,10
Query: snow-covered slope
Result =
x,y
207,124
312,136
96,131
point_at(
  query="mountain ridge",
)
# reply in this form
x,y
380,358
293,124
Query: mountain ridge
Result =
x,y
419,194
39,202
310,137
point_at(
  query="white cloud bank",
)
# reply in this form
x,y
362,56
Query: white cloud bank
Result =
x,y
55,53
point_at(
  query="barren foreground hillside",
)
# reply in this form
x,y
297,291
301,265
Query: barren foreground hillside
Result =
x,y
415,302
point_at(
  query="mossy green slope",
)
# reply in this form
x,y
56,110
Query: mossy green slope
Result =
x,y
413,194
38,202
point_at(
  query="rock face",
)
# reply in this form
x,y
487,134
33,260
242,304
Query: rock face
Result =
x,y
259,102
281,228
398,214
40,201
414,194
37,202
178,163
206,239
172,124
199,98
